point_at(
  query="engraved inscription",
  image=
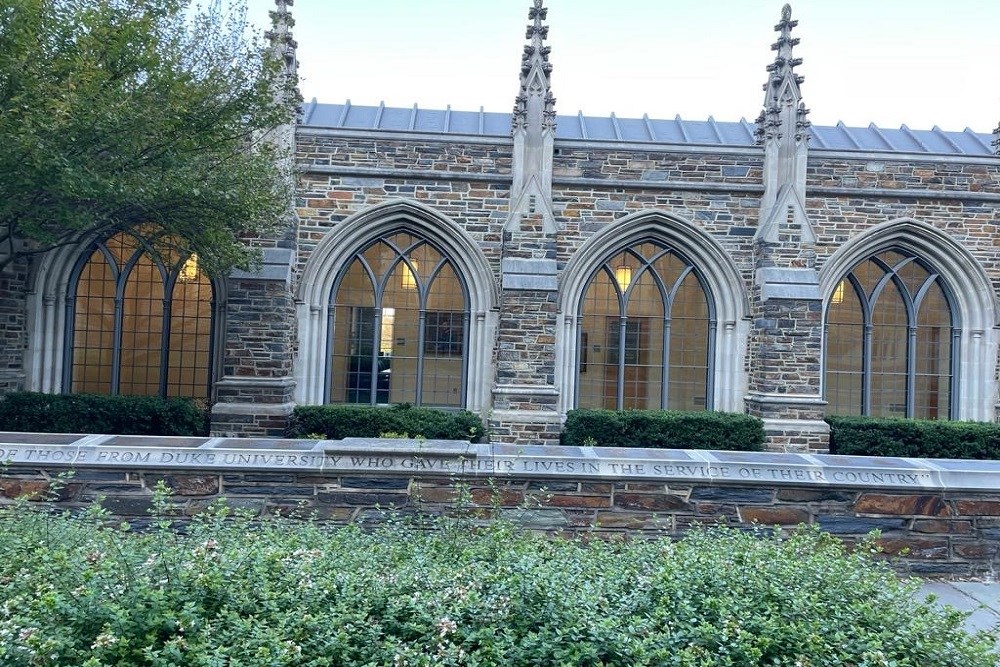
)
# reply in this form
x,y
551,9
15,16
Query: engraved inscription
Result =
x,y
422,462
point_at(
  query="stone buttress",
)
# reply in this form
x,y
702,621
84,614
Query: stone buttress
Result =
x,y
786,304
255,394
525,398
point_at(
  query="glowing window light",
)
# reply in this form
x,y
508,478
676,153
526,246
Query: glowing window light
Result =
x,y
409,281
623,275
189,271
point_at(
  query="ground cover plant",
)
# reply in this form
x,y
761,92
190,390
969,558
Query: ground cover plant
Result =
x,y
231,591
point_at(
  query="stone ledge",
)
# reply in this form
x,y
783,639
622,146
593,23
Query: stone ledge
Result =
x,y
463,459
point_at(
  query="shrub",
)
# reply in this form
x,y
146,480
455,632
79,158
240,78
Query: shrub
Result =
x,y
94,413
228,591
867,436
663,429
336,422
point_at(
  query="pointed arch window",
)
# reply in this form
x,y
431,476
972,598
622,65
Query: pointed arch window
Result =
x,y
646,333
891,341
142,324
399,326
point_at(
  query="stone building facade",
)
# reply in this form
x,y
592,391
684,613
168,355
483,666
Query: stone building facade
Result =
x,y
522,265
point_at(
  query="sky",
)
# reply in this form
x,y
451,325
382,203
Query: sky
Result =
x,y
922,63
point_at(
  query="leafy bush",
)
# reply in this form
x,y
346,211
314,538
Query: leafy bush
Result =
x,y
867,436
663,429
94,413
336,422
228,591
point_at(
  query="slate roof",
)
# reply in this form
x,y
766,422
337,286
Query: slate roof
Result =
x,y
641,130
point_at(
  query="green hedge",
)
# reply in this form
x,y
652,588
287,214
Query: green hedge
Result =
x,y
663,429
938,439
276,593
94,413
349,421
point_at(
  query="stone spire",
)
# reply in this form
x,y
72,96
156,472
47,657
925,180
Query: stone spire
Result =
x,y
996,142
533,128
534,105
283,43
782,131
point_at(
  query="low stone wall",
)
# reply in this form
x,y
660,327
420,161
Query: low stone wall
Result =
x,y
936,517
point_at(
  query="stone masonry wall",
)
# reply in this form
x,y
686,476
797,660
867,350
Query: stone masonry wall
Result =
x,y
925,532
13,323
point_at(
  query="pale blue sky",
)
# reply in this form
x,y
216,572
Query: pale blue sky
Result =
x,y
918,62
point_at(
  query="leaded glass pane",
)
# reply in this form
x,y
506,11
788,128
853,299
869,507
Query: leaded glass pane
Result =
x,y
401,338
637,349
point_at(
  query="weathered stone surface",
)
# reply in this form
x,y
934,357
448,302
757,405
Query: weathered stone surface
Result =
x,y
24,488
920,505
914,547
364,498
975,550
193,485
799,495
647,501
845,525
978,507
374,482
536,518
942,526
768,516
734,495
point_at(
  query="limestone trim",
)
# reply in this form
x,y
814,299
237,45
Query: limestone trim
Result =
x,y
334,251
970,292
48,308
726,292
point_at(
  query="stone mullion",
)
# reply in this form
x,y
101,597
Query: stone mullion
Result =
x,y
866,368
421,337
165,337
911,370
622,328
665,364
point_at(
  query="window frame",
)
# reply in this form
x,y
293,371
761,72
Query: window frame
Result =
x,y
121,277
912,305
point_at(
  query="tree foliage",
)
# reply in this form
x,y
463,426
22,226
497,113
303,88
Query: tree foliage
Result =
x,y
139,114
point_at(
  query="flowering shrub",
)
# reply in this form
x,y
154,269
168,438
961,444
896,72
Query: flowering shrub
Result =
x,y
228,591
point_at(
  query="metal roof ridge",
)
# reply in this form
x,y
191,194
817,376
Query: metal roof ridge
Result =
x,y
881,135
939,132
309,110
913,136
847,133
680,126
343,114
975,135
715,128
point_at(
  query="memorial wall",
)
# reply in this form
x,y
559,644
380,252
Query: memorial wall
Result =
x,y
936,517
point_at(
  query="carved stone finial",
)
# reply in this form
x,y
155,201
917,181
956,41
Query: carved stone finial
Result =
x,y
783,130
996,142
535,71
782,88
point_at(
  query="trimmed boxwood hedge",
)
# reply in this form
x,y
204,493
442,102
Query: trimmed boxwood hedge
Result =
x,y
929,439
95,413
279,593
336,422
663,429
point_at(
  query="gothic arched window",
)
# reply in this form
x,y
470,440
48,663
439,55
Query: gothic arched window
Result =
x,y
399,326
141,324
889,341
646,333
